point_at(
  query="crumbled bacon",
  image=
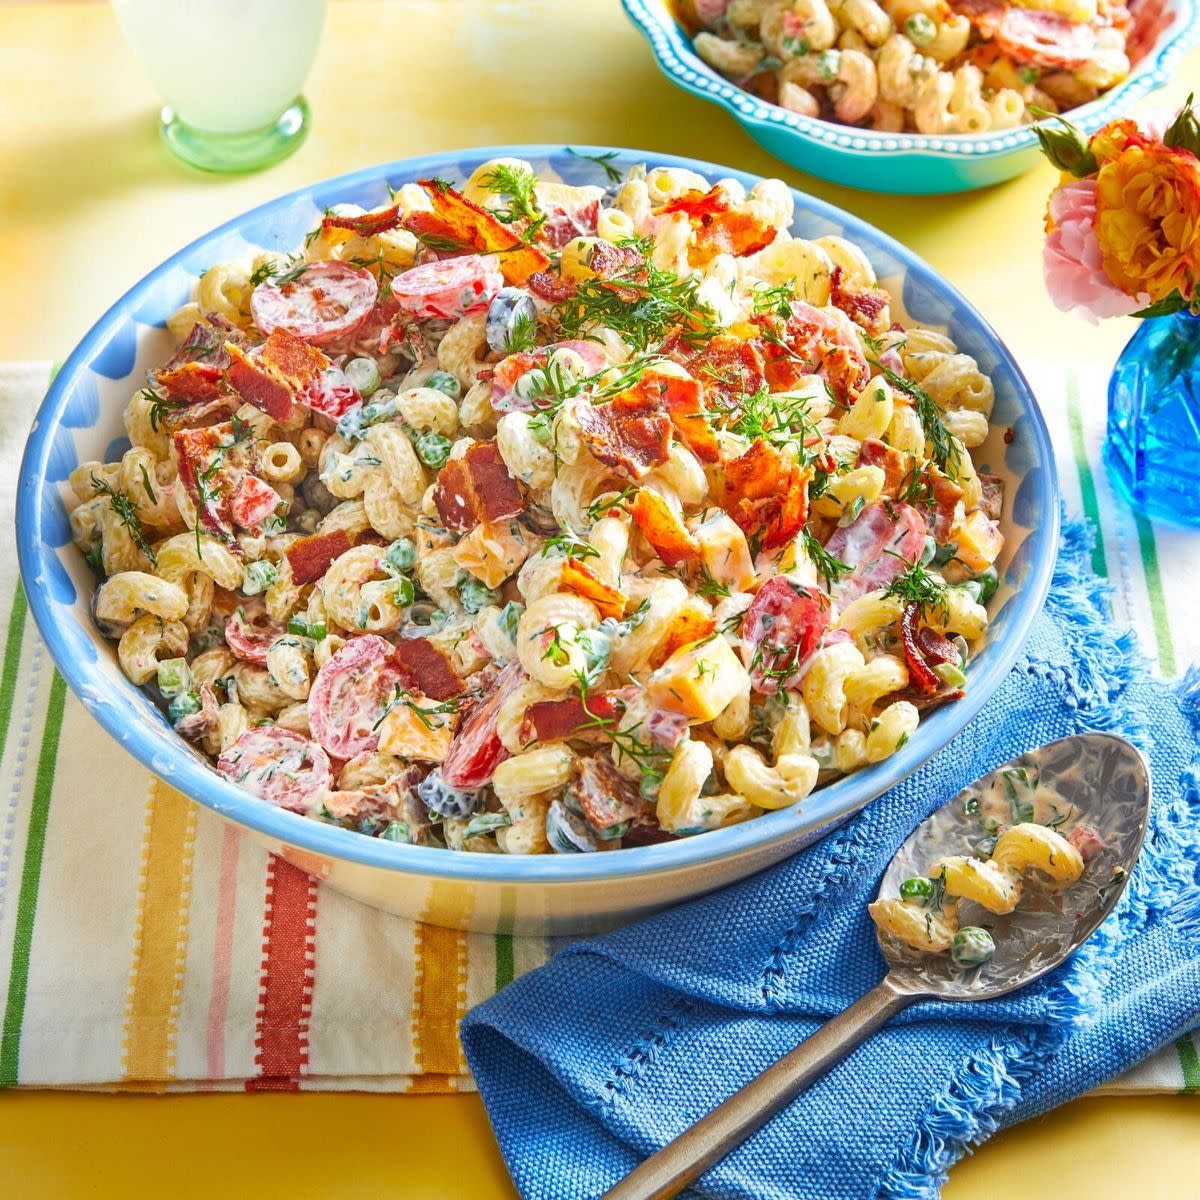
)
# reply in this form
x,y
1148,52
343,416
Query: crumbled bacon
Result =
x,y
579,578
689,625
628,433
766,493
939,515
920,675
205,343
190,383
719,227
993,496
930,492
309,557
1087,841
866,307
604,796
476,487
664,529
270,377
933,645
896,465
193,449
607,260
550,287
428,668
727,369
367,224
813,342
557,720
438,236
682,400
475,226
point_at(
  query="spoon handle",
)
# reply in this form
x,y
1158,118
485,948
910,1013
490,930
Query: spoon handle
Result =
x,y
682,1161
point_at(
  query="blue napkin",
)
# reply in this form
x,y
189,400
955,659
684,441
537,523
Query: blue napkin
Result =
x,y
600,1057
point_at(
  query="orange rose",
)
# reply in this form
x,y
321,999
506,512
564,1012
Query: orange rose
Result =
x,y
1108,142
1148,220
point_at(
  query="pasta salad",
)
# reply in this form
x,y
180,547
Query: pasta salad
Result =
x,y
523,517
924,66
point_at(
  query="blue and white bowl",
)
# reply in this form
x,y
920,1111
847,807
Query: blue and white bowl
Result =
x,y
911,163
81,420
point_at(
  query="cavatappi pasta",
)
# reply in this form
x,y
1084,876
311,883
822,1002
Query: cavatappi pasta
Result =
x,y
519,517
923,66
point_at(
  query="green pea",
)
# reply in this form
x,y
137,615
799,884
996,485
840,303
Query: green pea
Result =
x,y
363,374
917,888
433,449
988,581
403,590
306,629
972,946
401,554
930,551
945,553
950,674
398,831
475,594
183,705
443,381
510,616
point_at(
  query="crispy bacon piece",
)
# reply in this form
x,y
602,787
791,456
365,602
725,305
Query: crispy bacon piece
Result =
x,y
475,226
720,228
682,400
727,368
629,433
199,416
813,342
271,377
866,307
475,488
551,287
193,448
939,515
309,557
607,260
662,527
690,625
557,720
766,493
190,383
428,668
438,235
205,343
367,224
931,493
895,464
993,496
919,673
604,796
933,645
579,578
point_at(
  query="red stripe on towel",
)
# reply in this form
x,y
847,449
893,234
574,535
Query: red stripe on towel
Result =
x,y
286,986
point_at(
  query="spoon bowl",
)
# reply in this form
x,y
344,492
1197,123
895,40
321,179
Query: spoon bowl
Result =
x,y
1094,779
1093,783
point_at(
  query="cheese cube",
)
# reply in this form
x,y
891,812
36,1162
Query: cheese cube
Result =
x,y
492,551
699,679
724,552
979,541
422,735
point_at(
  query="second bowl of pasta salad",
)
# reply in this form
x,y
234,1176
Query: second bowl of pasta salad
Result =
x,y
506,517
917,96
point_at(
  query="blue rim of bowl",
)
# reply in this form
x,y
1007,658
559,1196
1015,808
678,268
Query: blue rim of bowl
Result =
x,y
679,62
121,718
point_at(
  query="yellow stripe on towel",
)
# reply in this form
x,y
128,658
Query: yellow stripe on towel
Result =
x,y
160,940
439,1000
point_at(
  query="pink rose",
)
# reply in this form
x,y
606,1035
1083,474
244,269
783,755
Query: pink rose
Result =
x,y
1071,259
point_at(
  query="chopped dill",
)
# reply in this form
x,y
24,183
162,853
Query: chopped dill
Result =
x,y
916,585
603,161
159,406
944,448
828,567
126,513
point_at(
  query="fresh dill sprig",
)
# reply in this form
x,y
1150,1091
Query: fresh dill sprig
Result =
x,y
517,185
651,760
522,334
775,418
605,505
569,545
828,567
916,585
160,405
431,716
126,513
944,447
775,299
603,161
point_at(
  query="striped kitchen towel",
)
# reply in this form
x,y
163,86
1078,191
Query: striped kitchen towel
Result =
x,y
145,945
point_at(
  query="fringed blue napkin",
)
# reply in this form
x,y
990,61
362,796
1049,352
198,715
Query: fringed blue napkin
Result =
x,y
611,1049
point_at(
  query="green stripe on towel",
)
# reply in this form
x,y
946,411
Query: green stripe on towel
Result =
x,y
31,873
12,662
1087,485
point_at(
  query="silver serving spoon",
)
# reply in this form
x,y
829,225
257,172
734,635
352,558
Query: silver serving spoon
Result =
x,y
1094,779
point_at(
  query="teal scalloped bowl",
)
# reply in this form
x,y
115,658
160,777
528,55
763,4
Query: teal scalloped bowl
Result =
x,y
906,163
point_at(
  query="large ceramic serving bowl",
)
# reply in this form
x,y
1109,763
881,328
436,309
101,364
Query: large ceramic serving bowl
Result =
x,y
914,163
80,420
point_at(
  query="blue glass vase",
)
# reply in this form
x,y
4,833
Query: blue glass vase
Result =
x,y
1153,445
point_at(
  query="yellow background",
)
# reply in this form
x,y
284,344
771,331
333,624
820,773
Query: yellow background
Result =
x,y
89,202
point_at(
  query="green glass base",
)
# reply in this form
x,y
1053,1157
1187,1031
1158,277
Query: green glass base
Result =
x,y
236,153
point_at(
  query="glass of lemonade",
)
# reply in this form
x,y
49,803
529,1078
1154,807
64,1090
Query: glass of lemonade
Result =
x,y
230,72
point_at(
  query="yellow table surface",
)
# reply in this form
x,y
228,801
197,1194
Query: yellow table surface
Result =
x,y
89,201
